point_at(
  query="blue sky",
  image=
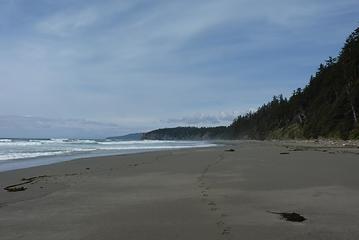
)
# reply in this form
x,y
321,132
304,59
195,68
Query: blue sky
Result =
x,y
138,65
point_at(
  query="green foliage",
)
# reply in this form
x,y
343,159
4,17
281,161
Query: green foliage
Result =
x,y
188,133
324,108
294,131
354,134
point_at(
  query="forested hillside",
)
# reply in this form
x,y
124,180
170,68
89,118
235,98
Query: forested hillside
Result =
x,y
327,107
188,133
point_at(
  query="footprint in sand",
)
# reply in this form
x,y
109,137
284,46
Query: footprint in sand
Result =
x,y
220,223
212,204
226,231
133,165
223,228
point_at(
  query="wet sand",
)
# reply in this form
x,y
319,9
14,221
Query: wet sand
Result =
x,y
194,194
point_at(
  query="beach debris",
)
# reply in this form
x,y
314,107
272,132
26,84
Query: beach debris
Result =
x,y
87,168
291,217
71,174
15,189
32,179
349,145
230,150
19,187
226,231
297,149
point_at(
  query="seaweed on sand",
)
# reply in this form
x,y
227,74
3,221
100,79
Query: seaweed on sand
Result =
x,y
291,217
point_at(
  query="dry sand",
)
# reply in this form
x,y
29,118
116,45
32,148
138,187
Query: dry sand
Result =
x,y
189,194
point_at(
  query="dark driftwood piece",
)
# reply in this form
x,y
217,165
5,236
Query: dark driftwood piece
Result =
x,y
230,150
15,189
19,187
291,217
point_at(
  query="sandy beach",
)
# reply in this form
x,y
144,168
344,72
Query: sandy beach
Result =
x,y
206,193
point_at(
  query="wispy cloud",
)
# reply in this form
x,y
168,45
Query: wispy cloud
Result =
x,y
30,126
63,24
200,119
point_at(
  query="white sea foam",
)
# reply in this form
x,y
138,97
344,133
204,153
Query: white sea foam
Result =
x,y
12,156
138,142
12,149
19,143
82,149
22,155
52,140
80,141
154,147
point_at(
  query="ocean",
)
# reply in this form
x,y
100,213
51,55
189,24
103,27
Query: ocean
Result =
x,y
24,153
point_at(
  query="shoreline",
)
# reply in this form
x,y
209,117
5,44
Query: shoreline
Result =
x,y
346,145
200,193
21,163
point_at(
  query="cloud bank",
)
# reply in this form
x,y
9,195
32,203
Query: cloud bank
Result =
x,y
38,127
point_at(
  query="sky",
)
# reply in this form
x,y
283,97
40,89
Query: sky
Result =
x,y
95,68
